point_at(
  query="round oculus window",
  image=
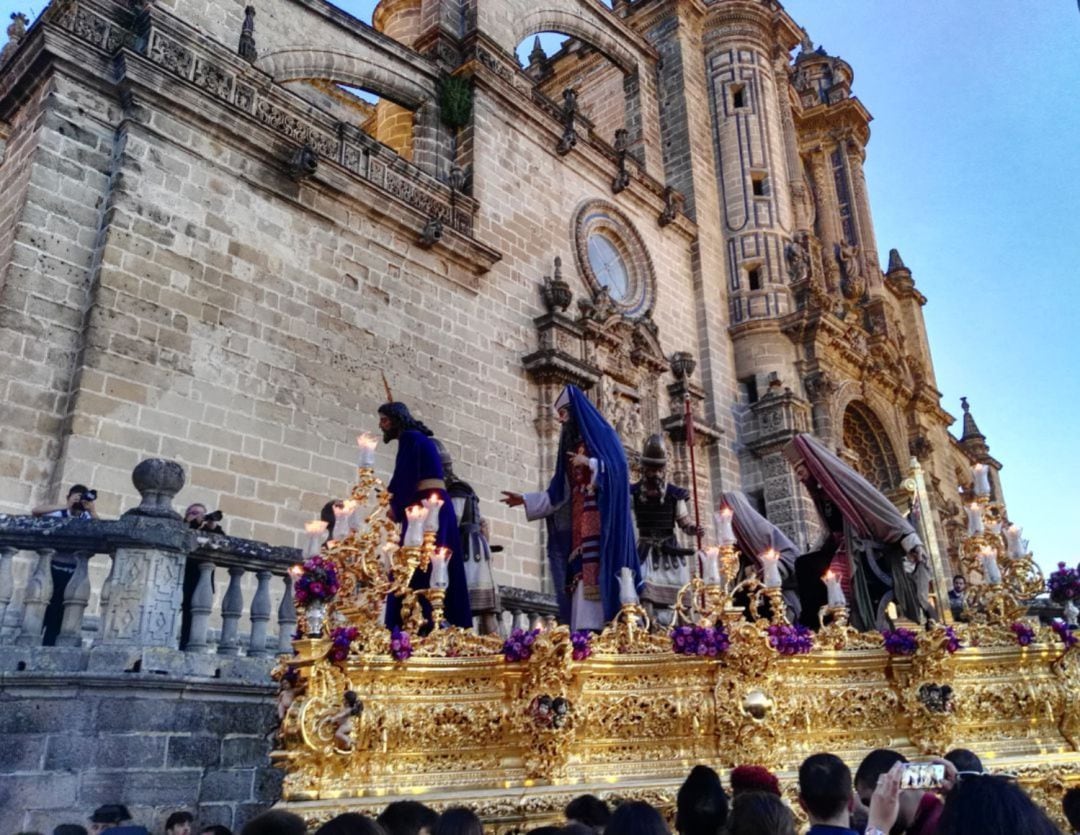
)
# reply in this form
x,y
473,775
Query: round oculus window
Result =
x,y
611,256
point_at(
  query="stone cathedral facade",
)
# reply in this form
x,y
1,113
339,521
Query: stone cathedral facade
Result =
x,y
211,249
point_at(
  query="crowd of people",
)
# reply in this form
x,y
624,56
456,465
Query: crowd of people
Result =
x,y
887,795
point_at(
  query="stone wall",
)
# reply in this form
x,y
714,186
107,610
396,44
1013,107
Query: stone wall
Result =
x,y
71,742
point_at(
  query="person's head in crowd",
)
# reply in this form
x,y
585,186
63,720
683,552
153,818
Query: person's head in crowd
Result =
x,y
959,584
992,805
275,822
753,778
179,823
1070,805
636,818
919,809
215,829
965,760
350,823
589,810
69,829
108,816
759,813
79,504
825,790
701,806
327,514
408,817
545,830
458,821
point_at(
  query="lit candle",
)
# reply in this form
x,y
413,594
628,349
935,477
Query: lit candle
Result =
x,y
770,568
440,574
414,533
433,504
975,521
350,505
980,473
990,564
341,522
1016,544
835,592
710,565
366,459
315,532
725,535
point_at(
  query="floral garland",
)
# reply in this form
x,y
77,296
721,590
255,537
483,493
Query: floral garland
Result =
x,y
581,643
900,641
341,638
1064,584
790,640
400,645
1024,633
518,647
318,581
706,641
1065,632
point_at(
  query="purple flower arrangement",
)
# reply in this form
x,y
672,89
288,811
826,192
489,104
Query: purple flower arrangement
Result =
x,y
1064,584
518,647
1024,633
400,645
340,639
318,581
580,641
1065,632
704,641
790,640
900,641
952,641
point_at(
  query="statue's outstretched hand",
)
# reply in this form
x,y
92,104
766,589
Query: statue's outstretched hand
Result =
x,y
512,499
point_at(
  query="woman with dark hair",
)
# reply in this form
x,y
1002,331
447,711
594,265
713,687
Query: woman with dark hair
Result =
x,y
458,821
992,805
636,818
760,813
350,823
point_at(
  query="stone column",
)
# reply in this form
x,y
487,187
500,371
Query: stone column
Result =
x,y
38,592
854,156
76,598
146,581
7,582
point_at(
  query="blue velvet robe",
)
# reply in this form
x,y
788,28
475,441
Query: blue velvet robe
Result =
x,y
617,547
418,459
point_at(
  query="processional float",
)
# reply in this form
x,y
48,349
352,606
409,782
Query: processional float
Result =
x,y
515,727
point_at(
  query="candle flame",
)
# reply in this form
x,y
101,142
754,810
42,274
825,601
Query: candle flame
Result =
x,y
296,571
349,505
726,511
316,526
770,555
366,441
828,577
442,554
416,513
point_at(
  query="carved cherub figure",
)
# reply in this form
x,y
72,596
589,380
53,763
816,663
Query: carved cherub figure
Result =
x,y
345,719
288,691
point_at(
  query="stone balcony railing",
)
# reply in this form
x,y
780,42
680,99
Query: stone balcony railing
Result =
x,y
161,608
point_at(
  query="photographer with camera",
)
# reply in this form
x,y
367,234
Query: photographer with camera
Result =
x,y
199,520
80,504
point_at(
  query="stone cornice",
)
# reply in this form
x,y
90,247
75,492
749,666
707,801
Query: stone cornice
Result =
x,y
820,123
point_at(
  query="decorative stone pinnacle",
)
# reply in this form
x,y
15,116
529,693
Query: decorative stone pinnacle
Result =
x,y
537,55
247,49
157,480
895,261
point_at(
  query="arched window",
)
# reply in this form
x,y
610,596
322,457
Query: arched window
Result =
x,y
866,438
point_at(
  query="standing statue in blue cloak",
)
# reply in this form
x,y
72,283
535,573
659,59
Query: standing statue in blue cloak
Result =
x,y
418,473
587,508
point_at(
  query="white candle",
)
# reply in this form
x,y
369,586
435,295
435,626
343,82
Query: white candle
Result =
x,y
770,568
835,592
349,506
414,533
974,517
990,564
980,473
433,504
341,522
1012,536
710,565
366,458
440,574
315,532
725,534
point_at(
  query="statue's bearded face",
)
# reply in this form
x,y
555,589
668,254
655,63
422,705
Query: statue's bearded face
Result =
x,y
390,428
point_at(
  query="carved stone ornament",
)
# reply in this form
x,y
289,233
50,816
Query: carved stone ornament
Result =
x,y
431,234
622,145
157,481
303,163
246,49
569,115
556,291
673,206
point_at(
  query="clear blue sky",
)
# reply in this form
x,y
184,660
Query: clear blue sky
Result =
x,y
974,175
